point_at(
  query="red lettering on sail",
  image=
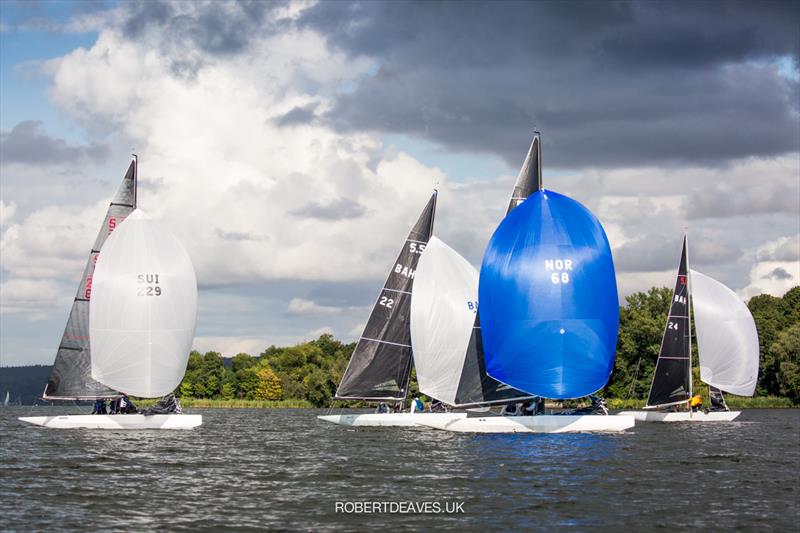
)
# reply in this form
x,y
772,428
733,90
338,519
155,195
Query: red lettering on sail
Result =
x,y
112,224
87,293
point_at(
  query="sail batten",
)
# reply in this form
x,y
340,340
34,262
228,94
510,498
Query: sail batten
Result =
x,y
672,377
71,378
380,366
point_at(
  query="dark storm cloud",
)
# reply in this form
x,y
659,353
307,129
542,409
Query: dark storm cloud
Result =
x,y
779,274
609,83
28,143
721,201
216,27
340,209
298,115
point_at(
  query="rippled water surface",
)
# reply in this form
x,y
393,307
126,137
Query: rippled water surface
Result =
x,y
285,470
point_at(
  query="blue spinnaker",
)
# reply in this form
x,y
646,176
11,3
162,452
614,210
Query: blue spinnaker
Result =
x,y
548,296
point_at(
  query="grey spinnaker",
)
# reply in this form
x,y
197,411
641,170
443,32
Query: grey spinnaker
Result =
x,y
672,377
380,367
71,376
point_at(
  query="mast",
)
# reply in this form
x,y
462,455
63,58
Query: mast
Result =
x,y
135,180
689,314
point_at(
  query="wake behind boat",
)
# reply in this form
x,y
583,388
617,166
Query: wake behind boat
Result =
x,y
392,419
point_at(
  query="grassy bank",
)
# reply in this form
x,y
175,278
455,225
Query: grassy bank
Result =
x,y
233,404
734,402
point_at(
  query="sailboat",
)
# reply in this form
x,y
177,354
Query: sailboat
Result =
x,y
5,402
131,324
380,367
445,324
549,312
727,346
453,361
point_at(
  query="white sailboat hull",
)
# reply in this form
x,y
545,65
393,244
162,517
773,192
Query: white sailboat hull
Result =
x,y
535,424
391,419
683,416
131,421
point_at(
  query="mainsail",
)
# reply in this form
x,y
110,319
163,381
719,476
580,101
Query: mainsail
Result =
x,y
727,339
380,366
672,378
71,376
548,299
143,310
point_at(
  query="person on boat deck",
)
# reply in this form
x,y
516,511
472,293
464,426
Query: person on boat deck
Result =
x,y
99,407
437,406
382,408
113,406
696,403
417,405
528,408
126,406
509,410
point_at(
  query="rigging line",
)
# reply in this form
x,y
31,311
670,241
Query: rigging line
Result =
x,y
635,377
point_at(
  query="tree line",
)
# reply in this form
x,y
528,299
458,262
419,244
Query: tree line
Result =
x,y
312,370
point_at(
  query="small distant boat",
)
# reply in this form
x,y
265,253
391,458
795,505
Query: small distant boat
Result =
x,y
727,346
5,402
548,312
132,322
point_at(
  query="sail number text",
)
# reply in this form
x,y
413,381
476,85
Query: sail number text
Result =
x,y
416,247
386,302
559,269
148,285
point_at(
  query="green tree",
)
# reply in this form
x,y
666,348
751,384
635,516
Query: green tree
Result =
x,y
641,327
269,386
785,355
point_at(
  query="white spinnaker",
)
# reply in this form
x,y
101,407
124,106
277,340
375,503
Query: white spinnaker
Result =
x,y
443,306
143,309
727,340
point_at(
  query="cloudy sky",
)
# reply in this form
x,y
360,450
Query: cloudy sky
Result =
x,y
290,145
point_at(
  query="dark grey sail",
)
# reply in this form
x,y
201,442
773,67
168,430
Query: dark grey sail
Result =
x,y
380,366
71,376
476,386
672,378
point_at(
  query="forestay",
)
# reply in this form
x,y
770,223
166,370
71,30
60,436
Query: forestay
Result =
x,y
143,309
727,339
71,374
548,299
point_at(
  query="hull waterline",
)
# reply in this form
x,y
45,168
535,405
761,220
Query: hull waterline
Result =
x,y
536,424
660,416
391,419
133,421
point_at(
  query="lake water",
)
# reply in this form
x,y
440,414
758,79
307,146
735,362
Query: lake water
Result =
x,y
248,470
